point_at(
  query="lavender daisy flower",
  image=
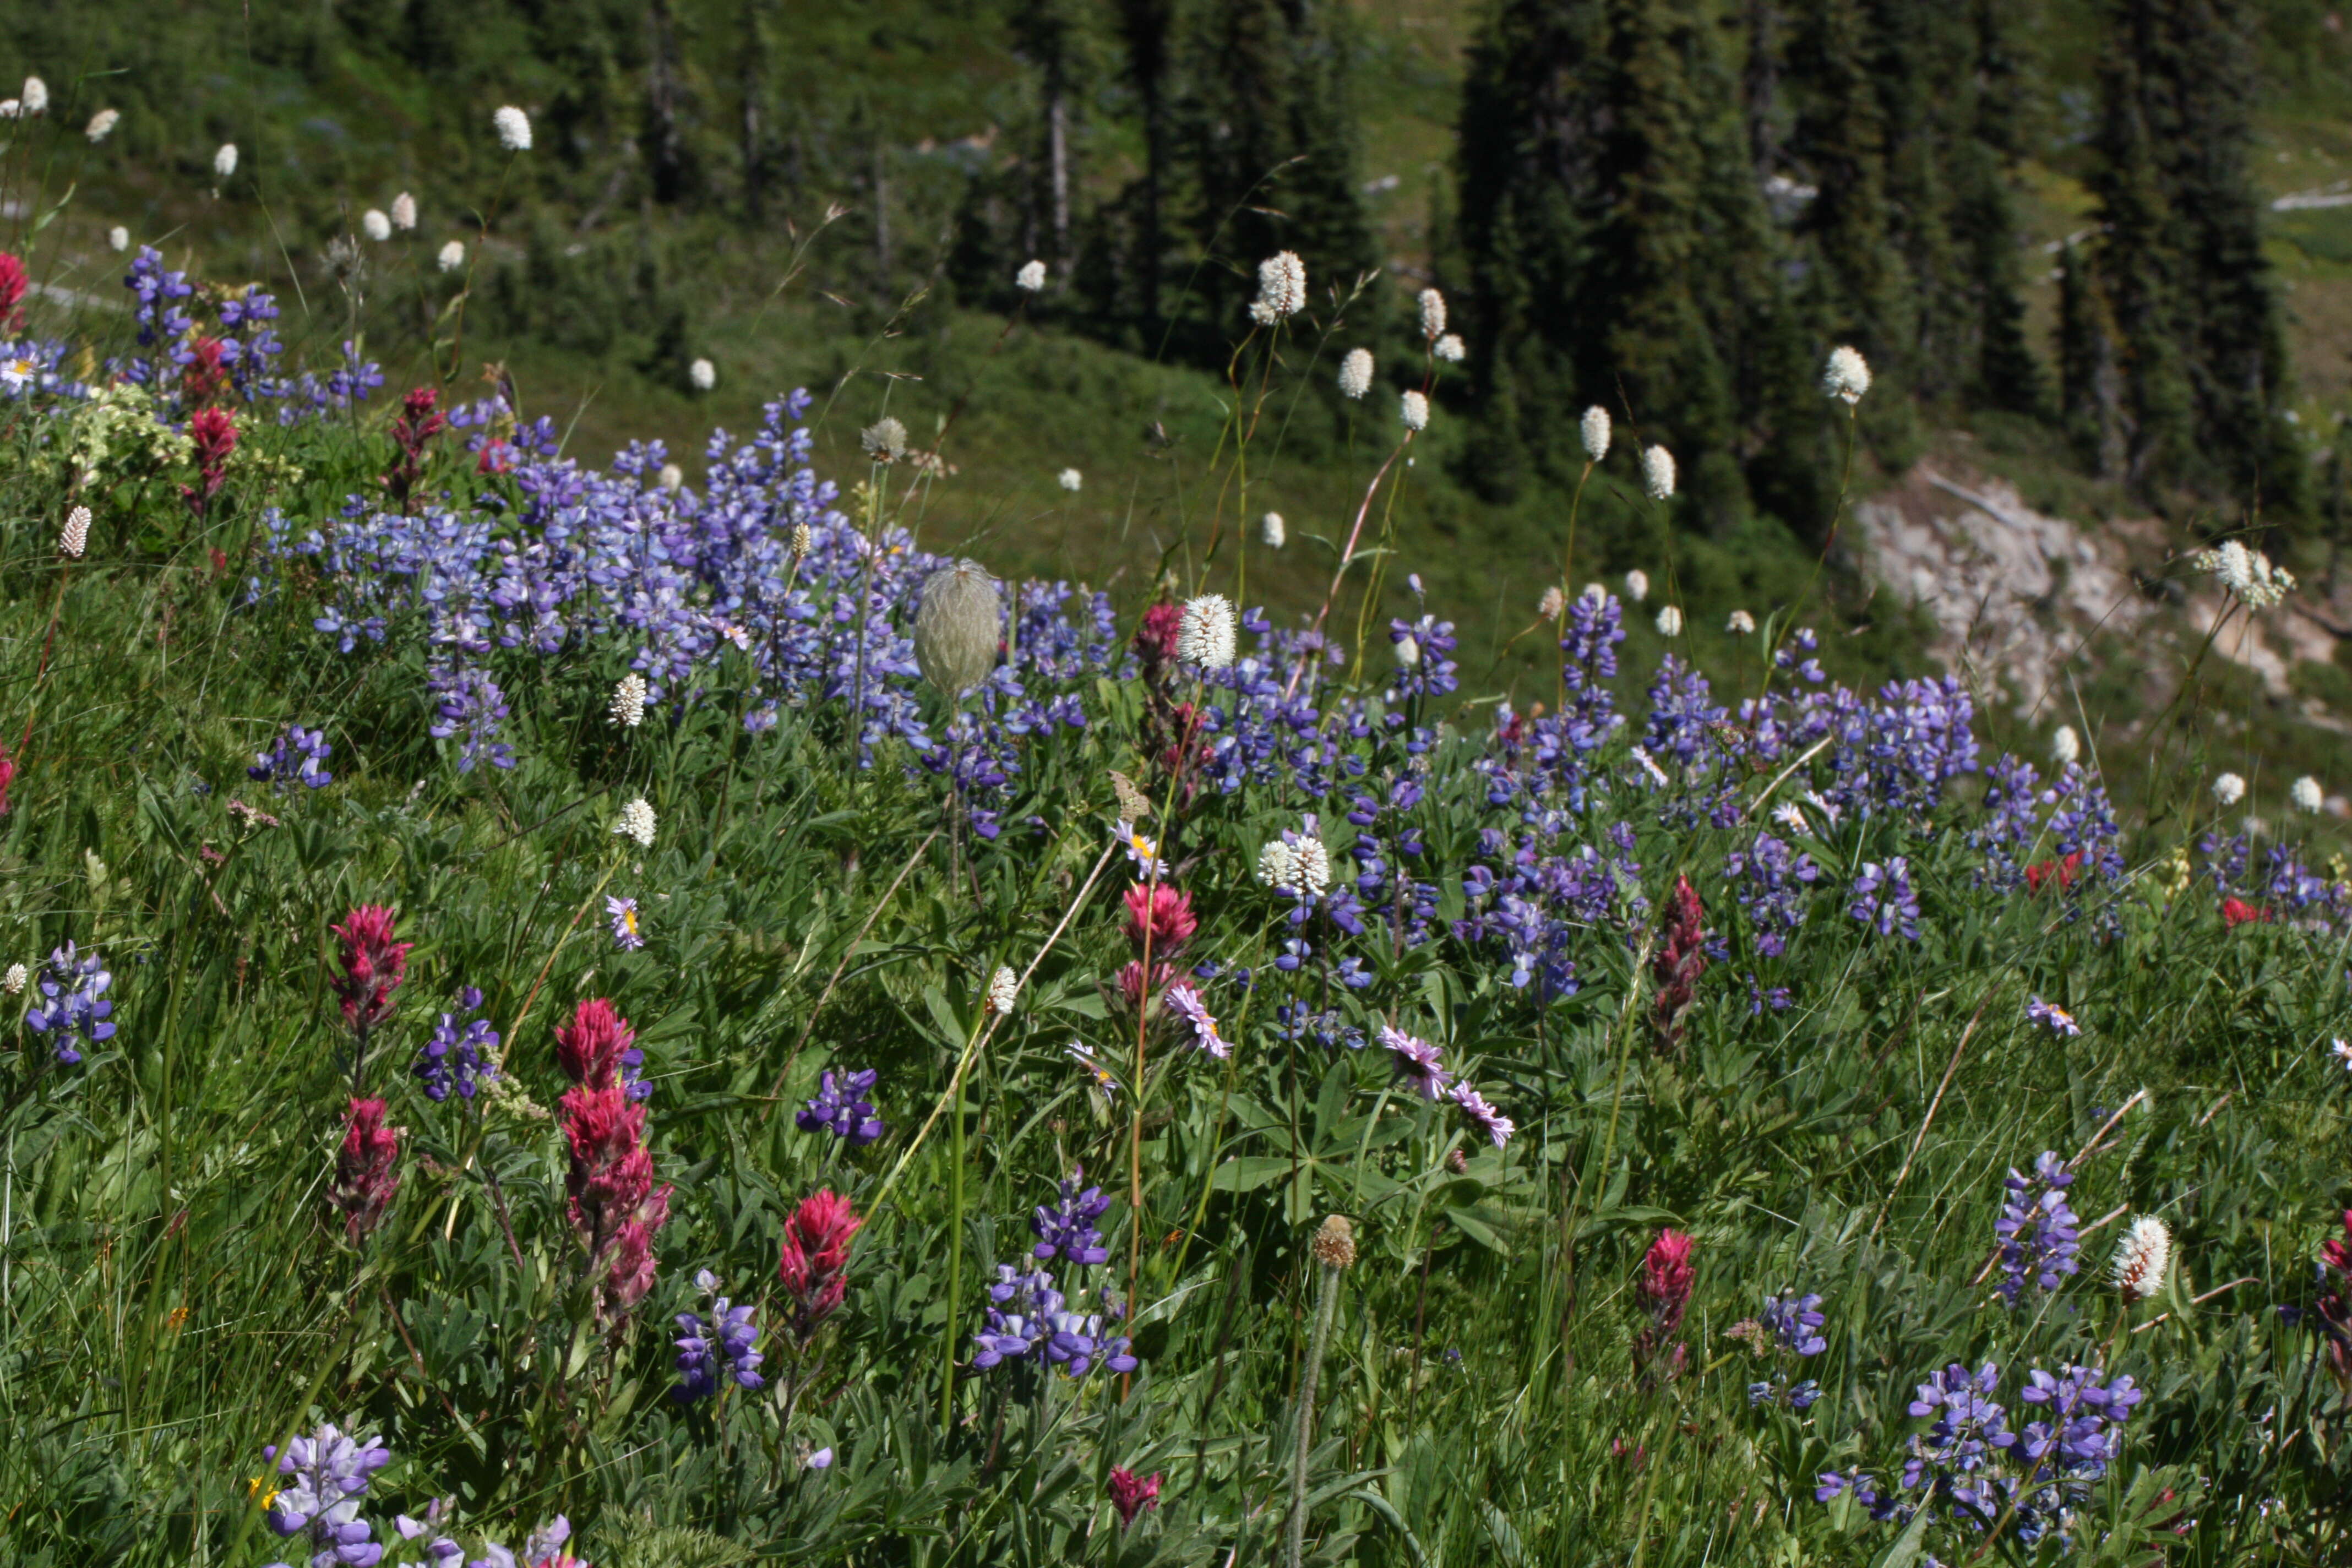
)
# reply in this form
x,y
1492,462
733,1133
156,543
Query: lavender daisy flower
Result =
x,y
841,1108
1187,1001
2059,1021
1417,1061
1884,899
1483,1116
625,935
76,1006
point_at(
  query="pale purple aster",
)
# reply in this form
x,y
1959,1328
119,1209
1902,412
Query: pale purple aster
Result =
x,y
1483,1116
626,934
1187,1001
1416,1061
842,1109
2056,1019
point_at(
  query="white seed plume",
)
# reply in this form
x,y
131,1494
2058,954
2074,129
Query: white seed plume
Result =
x,y
1740,624
2229,789
1031,278
224,161
1670,622
1847,375
885,440
1552,602
2142,1258
1637,585
2065,746
2306,793
375,226
1433,314
74,537
1658,472
1281,289
671,478
1204,635
1070,479
1270,528
102,124
119,238
958,628
36,96
403,211
2246,572
1003,987
1356,373
15,983
636,821
452,257
1413,408
628,705
1450,349
703,373
513,127
1594,430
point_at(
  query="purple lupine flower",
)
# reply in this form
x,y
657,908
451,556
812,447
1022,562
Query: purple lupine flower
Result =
x,y
300,756
459,1056
1772,880
329,1473
728,1338
841,1108
471,707
1483,1116
77,1008
2038,1233
443,1551
1020,1307
1416,1061
1954,1457
2056,1019
1884,899
1078,1344
1795,1322
626,934
1777,998
1066,1229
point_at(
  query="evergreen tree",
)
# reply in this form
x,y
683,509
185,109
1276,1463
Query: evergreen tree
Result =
x,y
2006,374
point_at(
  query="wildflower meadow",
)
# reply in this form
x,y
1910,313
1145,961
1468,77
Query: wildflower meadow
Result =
x,y
664,1012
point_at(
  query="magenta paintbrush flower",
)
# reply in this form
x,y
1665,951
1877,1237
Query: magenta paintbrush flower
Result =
x,y
366,1171
374,966
1131,1494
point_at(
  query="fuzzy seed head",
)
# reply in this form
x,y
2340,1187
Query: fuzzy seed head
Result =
x,y
1356,373
1847,376
452,257
375,226
1334,1246
884,441
958,628
1031,278
403,211
513,127
102,124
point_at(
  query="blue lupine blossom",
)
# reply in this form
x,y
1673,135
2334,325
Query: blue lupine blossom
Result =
x,y
460,1056
726,1340
1771,881
1794,1324
842,1109
470,710
1066,1229
2040,1235
75,1009
299,757
1884,899
328,1474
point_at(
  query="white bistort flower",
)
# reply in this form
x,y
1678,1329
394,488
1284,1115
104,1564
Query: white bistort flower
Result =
x,y
1003,987
513,127
1413,408
1593,428
1281,289
1450,349
2229,789
375,226
403,211
1847,375
2246,572
703,373
74,538
1204,634
1314,864
36,96
1740,624
2142,1258
119,238
628,704
2306,793
1031,278
1277,865
1433,314
1670,622
1356,373
1070,479
1658,472
2065,746
224,161
15,983
636,821
671,477
1637,585
102,124
452,257
1270,528
1552,602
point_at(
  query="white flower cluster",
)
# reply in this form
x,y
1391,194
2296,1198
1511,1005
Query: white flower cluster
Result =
x,y
2306,794
1637,585
1003,987
636,821
1204,635
1272,531
1301,868
224,161
2229,790
2246,572
1281,289
74,538
118,238
1450,349
1740,624
1433,314
1847,375
513,127
1658,472
1594,428
1552,602
375,226
1356,373
14,983
2065,746
703,374
1031,278
628,705
1670,622
36,96
403,212
102,124
671,478
2142,1258
1070,479
1414,410
452,257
